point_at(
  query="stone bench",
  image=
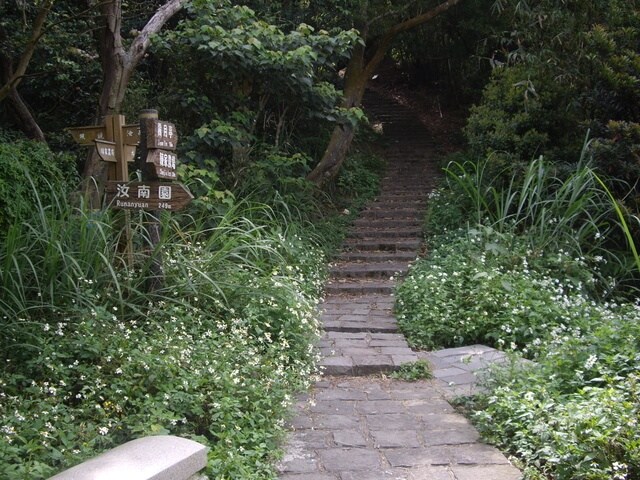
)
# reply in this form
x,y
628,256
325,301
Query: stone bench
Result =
x,y
161,457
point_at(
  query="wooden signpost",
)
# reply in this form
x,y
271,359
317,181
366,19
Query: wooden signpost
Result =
x,y
116,143
147,195
163,164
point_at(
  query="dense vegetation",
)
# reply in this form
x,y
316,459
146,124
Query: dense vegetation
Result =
x,y
531,236
94,358
532,243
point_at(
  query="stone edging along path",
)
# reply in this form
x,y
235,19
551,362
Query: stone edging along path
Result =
x,y
354,424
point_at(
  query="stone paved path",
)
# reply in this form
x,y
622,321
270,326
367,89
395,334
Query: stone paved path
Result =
x,y
356,423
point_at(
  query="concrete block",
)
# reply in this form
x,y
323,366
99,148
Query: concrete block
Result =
x,y
161,457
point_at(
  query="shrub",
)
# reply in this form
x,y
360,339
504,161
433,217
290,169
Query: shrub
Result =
x,y
524,113
491,288
573,414
553,206
30,172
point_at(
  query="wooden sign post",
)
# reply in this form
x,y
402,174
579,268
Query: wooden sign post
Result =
x,y
116,143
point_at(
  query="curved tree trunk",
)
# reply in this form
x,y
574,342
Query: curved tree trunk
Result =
x,y
118,65
11,77
22,116
357,76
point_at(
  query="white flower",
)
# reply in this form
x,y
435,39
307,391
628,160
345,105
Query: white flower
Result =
x,y
591,361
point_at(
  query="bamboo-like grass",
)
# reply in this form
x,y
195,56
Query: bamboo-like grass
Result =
x,y
570,212
65,260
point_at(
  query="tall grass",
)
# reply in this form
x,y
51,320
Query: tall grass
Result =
x,y
555,212
64,260
46,261
215,354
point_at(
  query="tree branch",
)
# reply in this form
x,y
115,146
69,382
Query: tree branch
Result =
x,y
153,26
385,41
36,33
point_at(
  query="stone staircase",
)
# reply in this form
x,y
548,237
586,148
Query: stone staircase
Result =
x,y
356,423
360,328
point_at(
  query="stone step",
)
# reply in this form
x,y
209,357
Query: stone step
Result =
x,y
368,270
382,244
375,212
372,257
391,203
387,222
407,187
363,353
395,196
398,233
359,324
362,287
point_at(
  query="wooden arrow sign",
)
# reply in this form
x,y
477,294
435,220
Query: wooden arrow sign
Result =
x,y
107,151
147,195
131,134
161,134
164,163
87,135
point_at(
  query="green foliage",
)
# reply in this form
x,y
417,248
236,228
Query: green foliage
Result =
x,y
574,413
444,212
411,372
616,154
523,113
63,77
214,355
574,68
204,184
360,176
554,209
254,89
571,414
491,288
30,173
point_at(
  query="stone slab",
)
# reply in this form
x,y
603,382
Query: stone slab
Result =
x,y
160,457
348,459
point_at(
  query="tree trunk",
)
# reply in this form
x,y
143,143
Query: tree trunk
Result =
x,y
357,75
342,135
10,78
22,116
118,66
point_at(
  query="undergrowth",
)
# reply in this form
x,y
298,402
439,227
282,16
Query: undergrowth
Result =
x,y
540,271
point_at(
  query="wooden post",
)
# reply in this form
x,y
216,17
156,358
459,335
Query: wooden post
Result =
x,y
156,268
120,171
116,144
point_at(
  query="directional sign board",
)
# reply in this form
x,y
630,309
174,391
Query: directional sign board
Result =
x,y
147,195
164,163
107,151
161,134
87,135
131,134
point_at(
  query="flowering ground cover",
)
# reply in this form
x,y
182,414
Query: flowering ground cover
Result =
x,y
215,355
567,405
